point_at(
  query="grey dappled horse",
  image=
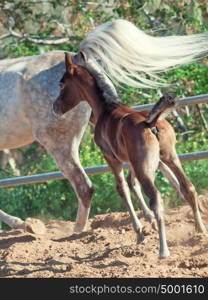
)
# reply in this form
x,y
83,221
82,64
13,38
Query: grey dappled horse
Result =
x,y
29,86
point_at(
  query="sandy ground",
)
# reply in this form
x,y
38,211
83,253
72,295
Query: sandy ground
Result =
x,y
107,249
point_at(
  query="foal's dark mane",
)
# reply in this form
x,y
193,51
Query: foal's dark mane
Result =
x,y
85,76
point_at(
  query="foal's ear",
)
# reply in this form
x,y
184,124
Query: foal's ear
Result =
x,y
69,63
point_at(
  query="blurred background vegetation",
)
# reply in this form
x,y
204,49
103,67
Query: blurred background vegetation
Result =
x,y
37,26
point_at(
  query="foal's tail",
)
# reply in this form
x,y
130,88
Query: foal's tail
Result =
x,y
161,109
129,55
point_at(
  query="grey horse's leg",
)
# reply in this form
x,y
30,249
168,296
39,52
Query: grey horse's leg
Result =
x,y
12,221
70,166
30,225
63,145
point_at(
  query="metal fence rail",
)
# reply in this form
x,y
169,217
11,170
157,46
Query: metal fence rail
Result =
x,y
199,99
90,171
9,182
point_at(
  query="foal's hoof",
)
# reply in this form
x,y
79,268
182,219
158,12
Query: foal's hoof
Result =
x,y
165,254
78,228
149,216
201,229
34,226
154,225
140,238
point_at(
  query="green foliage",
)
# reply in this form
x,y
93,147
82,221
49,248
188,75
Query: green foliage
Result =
x,y
57,198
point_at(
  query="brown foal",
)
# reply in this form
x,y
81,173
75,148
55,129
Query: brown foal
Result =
x,y
124,135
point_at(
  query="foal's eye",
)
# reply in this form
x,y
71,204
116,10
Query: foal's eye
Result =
x,y
61,85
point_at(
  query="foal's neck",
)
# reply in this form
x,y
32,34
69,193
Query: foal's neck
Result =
x,y
99,104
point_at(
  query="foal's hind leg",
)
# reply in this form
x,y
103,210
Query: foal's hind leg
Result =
x,y
166,171
134,185
146,178
124,192
187,189
144,164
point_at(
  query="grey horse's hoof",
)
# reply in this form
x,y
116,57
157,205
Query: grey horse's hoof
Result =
x,y
34,226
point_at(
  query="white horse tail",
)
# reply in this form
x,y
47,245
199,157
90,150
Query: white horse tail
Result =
x,y
129,55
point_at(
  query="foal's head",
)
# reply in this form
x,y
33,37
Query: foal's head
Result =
x,y
76,85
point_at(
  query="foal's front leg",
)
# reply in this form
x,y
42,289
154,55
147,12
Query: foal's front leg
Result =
x,y
124,192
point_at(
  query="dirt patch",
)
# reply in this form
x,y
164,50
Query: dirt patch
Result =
x,y
106,249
